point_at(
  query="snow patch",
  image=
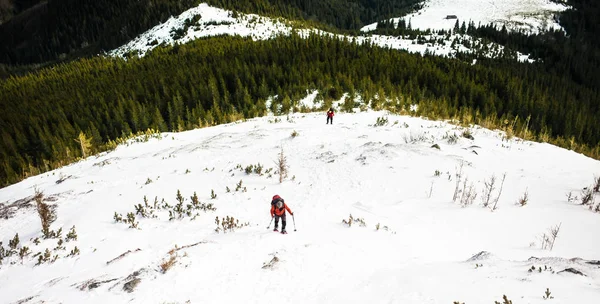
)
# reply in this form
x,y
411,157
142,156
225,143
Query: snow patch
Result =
x,y
531,16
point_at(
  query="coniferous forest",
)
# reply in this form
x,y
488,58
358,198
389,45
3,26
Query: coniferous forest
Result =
x,y
222,79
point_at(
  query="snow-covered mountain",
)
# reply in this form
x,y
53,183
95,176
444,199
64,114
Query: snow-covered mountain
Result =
x,y
415,190
529,15
207,21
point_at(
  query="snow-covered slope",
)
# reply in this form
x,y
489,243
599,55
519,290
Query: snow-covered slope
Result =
x,y
428,248
207,21
529,15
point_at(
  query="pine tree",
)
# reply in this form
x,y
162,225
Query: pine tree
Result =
x,y
84,143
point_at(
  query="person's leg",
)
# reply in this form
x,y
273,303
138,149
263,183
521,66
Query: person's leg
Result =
x,y
276,221
283,222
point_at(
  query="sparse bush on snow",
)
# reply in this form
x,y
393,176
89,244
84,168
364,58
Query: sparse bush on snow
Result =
x,y
178,211
381,121
229,224
523,199
352,219
384,227
505,300
467,134
547,294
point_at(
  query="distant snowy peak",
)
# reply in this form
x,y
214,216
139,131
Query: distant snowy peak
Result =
x,y
207,21
529,15
204,21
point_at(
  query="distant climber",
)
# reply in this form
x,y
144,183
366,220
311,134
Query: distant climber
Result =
x,y
278,208
330,116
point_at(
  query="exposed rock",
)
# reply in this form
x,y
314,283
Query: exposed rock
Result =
x,y
483,255
271,263
573,271
436,146
25,300
122,255
97,284
131,285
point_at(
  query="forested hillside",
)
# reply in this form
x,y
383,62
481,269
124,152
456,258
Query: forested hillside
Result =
x,y
63,29
216,80
341,14
199,84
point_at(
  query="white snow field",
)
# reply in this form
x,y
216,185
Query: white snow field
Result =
x,y
428,249
214,21
531,16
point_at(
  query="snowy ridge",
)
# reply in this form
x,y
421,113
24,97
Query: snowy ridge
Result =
x,y
529,15
417,245
214,22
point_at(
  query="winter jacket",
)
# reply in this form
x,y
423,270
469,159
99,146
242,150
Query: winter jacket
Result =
x,y
330,113
280,211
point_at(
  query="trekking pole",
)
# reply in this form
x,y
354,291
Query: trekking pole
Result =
x,y
294,220
270,223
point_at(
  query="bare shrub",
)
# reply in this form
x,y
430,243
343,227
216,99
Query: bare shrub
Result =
x,y
294,134
586,196
468,193
597,184
165,265
282,166
457,185
499,192
46,213
431,189
524,199
549,239
489,187
554,234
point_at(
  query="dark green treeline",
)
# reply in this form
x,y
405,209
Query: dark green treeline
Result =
x,y
216,80
339,14
66,29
